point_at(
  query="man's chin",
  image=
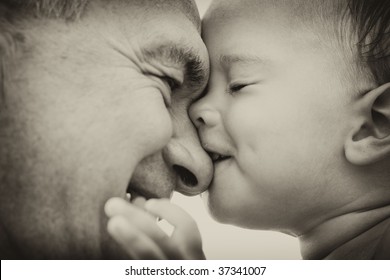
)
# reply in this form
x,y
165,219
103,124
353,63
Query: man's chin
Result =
x,y
112,251
107,247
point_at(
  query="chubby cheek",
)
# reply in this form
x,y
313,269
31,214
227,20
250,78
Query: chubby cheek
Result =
x,y
229,196
247,126
268,130
279,142
247,186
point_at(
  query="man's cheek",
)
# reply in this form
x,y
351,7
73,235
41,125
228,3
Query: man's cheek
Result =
x,y
153,128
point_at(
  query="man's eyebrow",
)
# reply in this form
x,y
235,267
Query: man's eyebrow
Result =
x,y
195,69
227,60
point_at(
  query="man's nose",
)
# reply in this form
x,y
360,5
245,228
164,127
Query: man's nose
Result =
x,y
191,164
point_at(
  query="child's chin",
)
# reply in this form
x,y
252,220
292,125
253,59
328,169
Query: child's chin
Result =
x,y
220,210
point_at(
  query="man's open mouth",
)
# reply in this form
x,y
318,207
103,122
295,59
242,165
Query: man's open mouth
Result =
x,y
134,191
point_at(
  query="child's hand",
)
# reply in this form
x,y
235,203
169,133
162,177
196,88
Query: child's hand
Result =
x,y
136,230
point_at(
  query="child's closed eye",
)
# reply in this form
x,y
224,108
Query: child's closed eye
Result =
x,y
236,87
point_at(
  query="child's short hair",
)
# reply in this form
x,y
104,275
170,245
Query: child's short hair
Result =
x,y
358,28
361,26
371,23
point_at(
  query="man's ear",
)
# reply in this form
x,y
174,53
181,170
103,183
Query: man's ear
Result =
x,y
369,140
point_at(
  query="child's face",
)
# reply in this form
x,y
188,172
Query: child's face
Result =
x,y
275,107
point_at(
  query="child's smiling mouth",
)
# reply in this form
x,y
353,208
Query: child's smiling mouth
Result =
x,y
215,157
217,152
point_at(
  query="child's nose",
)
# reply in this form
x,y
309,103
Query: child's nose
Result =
x,y
203,113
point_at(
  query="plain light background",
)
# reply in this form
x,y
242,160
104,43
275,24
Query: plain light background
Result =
x,y
229,242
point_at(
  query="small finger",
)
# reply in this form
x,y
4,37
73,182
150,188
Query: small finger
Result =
x,y
136,244
186,234
174,214
139,201
145,222
117,205
137,216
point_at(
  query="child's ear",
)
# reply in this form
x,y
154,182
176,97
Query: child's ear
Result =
x,y
369,140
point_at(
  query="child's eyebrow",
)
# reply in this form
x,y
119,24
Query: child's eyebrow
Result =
x,y
227,60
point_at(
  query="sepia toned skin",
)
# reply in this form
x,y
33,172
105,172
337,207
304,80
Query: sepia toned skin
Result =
x,y
91,105
270,95
299,136
282,114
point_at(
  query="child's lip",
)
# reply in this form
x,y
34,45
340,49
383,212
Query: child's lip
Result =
x,y
221,165
215,157
214,153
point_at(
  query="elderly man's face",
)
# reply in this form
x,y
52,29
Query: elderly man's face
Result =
x,y
88,102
